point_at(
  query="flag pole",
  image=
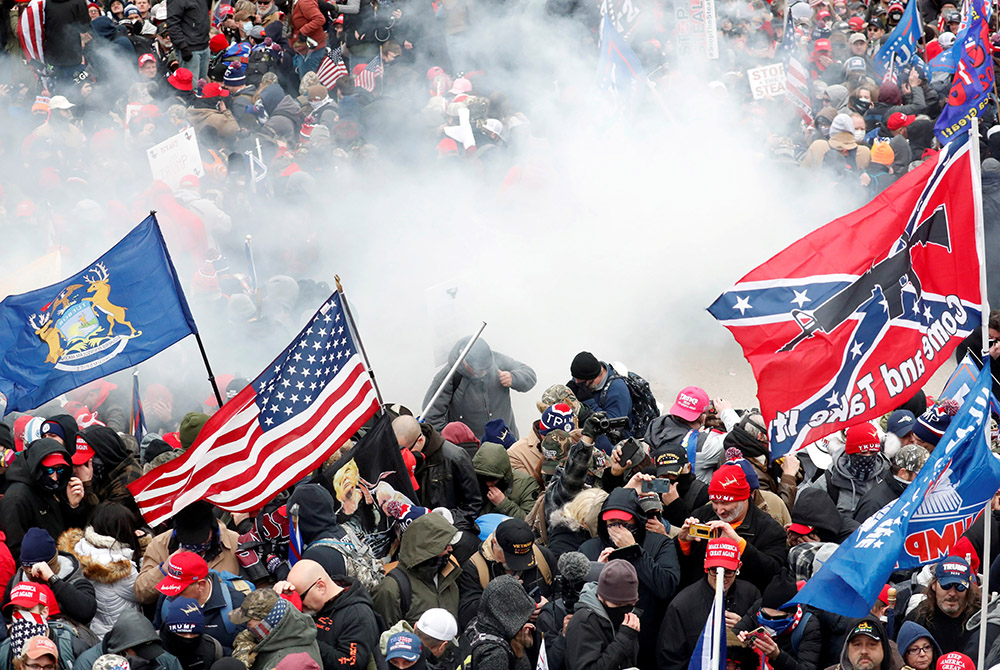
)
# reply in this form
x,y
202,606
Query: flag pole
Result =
x,y
717,619
447,377
208,367
977,199
135,384
357,338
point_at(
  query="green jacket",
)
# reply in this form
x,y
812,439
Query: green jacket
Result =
x,y
422,542
294,634
492,462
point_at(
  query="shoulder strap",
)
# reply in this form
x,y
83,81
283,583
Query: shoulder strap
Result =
x,y
405,590
800,631
543,566
831,490
64,642
482,568
691,444
228,599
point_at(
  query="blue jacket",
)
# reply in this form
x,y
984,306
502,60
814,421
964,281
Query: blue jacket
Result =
x,y
613,398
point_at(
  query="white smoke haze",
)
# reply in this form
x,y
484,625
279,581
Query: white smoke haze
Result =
x,y
621,235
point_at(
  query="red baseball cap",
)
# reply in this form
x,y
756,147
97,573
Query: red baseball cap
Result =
x,y
690,403
822,44
862,438
955,660
183,569
856,23
722,552
822,14
84,452
617,515
146,58
900,120
54,460
214,90
801,528
28,594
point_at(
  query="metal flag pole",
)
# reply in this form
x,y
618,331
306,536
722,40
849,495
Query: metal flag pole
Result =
x,y
977,199
717,619
447,377
357,338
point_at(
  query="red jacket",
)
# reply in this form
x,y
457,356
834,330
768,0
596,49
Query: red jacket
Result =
x,y
307,21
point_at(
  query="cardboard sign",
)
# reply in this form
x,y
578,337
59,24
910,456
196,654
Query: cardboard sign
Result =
x,y
173,158
767,81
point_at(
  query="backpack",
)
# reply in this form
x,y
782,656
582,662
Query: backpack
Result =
x,y
480,640
237,584
405,590
258,64
644,407
800,631
358,558
483,568
840,164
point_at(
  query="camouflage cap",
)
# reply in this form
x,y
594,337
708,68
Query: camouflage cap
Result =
x,y
558,393
554,448
911,457
111,662
257,605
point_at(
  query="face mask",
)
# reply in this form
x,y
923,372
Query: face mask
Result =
x,y
859,135
22,630
247,26
316,104
776,626
182,646
861,106
617,614
861,466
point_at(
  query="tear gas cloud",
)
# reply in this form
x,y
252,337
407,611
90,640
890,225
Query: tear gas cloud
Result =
x,y
620,235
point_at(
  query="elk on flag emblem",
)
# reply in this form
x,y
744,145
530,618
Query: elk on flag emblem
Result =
x,y
849,321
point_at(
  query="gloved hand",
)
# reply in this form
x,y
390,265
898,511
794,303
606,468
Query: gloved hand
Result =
x,y
592,426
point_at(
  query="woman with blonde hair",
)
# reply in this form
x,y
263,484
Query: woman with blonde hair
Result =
x,y
575,522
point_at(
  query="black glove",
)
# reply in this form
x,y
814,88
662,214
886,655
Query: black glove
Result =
x,y
592,426
581,391
186,55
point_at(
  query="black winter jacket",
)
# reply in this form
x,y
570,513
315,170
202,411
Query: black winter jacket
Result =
x,y
447,479
347,628
765,554
879,496
591,640
65,21
810,642
188,22
74,593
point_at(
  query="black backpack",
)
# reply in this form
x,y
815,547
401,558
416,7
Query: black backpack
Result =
x,y
644,407
841,164
258,64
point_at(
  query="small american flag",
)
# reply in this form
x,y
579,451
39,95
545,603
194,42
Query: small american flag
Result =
x,y
332,69
366,78
891,72
282,426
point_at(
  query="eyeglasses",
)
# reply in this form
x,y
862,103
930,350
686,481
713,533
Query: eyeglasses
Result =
x,y
961,588
926,649
59,470
35,666
303,595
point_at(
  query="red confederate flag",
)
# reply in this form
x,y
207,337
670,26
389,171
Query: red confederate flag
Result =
x,y
850,321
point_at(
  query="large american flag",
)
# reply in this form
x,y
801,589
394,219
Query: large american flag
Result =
x,y
366,78
31,30
796,76
332,69
289,420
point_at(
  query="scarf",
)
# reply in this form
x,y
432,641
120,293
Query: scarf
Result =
x,y
268,623
25,626
776,627
860,467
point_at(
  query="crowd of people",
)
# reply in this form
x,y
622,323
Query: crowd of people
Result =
x,y
597,535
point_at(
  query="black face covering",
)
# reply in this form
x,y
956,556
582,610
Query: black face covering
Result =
x,y
617,614
183,648
861,105
425,570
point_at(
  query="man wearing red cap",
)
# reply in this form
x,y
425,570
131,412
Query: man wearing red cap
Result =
x,y
730,514
688,611
43,493
857,470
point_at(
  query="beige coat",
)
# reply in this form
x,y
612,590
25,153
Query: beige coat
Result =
x,y
156,554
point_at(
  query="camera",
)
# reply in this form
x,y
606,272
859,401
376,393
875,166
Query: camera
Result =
x,y
606,424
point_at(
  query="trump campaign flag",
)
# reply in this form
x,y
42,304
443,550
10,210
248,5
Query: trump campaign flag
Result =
x,y
619,69
900,46
973,80
117,312
920,527
283,425
848,322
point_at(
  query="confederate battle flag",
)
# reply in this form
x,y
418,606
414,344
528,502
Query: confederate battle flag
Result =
x,y
850,321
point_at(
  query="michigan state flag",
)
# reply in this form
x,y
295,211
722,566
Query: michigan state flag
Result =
x,y
116,312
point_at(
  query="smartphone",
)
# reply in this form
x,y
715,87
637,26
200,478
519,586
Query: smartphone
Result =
x,y
630,450
701,530
753,635
656,486
637,611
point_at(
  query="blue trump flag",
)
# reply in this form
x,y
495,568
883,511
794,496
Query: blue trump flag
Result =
x,y
973,80
117,312
920,527
901,44
619,69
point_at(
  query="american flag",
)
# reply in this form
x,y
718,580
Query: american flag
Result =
x,y
796,76
366,78
891,72
301,409
31,30
332,69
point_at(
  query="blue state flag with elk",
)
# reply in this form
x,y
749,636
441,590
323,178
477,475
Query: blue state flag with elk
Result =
x,y
118,311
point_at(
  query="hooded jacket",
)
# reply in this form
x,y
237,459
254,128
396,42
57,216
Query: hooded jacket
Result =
x,y
422,543
847,492
131,631
766,551
879,496
26,504
347,629
477,400
317,521
657,566
158,551
814,508
503,611
520,489
911,631
526,454
591,640
887,653
65,21
108,566
806,657
294,634
74,594
448,479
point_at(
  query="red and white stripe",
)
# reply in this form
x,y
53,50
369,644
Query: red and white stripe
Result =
x,y
330,73
797,89
31,30
237,466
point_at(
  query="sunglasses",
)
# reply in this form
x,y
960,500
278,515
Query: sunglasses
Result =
x,y
59,469
303,595
961,588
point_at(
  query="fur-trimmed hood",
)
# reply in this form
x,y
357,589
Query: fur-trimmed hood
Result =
x,y
102,559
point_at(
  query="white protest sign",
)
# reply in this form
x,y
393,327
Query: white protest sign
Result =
x,y
175,157
767,81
